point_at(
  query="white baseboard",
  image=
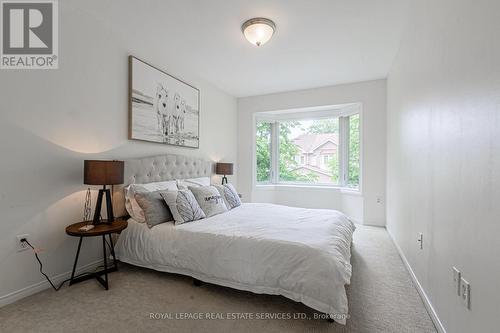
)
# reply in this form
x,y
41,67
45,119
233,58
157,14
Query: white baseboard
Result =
x,y
371,224
42,285
427,303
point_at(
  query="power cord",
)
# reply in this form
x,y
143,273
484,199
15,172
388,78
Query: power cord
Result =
x,y
102,266
24,240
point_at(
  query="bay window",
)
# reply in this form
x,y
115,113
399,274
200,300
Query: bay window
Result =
x,y
315,148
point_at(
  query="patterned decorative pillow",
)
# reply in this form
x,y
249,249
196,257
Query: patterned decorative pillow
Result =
x,y
155,208
221,190
183,206
209,199
230,195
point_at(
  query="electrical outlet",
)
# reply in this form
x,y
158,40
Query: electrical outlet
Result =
x,y
379,200
456,280
465,292
420,239
22,246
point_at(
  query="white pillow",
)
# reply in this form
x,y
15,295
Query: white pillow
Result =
x,y
183,184
135,211
169,185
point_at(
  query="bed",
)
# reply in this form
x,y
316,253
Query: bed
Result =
x,y
302,254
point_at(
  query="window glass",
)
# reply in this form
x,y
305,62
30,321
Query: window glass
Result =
x,y
354,154
263,151
318,140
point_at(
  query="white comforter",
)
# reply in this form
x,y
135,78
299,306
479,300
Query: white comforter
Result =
x,y
302,254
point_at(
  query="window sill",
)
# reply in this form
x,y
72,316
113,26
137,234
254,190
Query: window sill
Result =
x,y
343,190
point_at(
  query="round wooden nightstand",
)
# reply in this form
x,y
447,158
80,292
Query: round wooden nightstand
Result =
x,y
101,229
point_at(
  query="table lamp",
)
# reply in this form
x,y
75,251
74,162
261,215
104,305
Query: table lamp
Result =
x,y
224,169
103,173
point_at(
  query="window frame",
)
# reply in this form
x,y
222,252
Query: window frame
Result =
x,y
343,112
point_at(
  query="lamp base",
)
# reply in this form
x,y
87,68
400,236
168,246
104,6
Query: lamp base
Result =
x,y
98,206
224,180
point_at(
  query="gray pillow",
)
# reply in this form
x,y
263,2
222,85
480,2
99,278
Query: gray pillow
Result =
x,y
209,199
183,206
155,209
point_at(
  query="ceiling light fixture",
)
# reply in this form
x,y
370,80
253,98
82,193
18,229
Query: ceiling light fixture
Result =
x,y
259,30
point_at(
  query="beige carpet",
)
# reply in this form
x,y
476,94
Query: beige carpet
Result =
x,y
381,299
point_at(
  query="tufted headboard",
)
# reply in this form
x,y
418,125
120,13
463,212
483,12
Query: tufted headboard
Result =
x,y
156,169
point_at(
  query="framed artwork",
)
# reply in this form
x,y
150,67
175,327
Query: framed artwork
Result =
x,y
162,108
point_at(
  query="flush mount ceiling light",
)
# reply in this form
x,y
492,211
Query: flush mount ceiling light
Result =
x,y
259,30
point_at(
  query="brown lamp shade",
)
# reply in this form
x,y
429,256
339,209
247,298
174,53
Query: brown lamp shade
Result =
x,y
103,172
224,168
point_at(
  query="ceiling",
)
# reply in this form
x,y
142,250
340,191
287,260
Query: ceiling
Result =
x,y
317,42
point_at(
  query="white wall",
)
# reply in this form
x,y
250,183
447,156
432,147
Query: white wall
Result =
x,y
363,208
50,121
443,157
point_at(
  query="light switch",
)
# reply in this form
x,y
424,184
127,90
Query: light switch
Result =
x,y
420,239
